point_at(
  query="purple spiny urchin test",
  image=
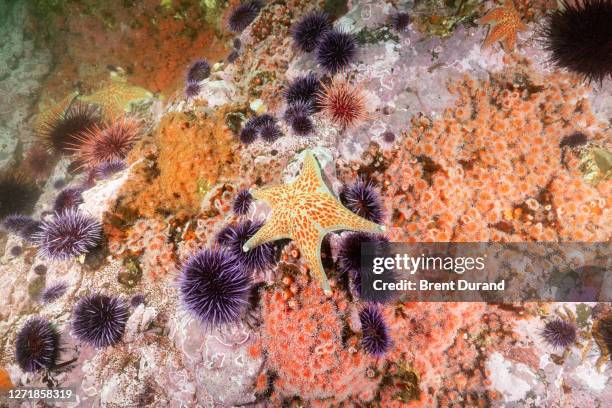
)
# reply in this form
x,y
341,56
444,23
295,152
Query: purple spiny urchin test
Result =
x,y
400,21
270,131
297,116
362,199
199,71
99,320
336,51
53,292
21,225
37,346
107,169
303,89
192,89
233,237
68,234
308,31
578,36
248,134
244,14
375,339
215,287
349,255
68,198
242,202
559,333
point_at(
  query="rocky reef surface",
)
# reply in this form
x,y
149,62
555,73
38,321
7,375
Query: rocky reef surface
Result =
x,y
460,142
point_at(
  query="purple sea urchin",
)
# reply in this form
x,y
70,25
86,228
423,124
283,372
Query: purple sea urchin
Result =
x,y
349,255
62,134
68,198
375,339
269,131
579,38
400,21
68,234
99,320
199,71
242,202
248,134
559,333
107,169
244,14
297,116
21,225
303,89
37,346
235,236
53,292
308,31
17,194
362,199
215,287
192,89
336,50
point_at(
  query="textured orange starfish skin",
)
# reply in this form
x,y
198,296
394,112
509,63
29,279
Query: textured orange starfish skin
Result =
x,y
305,211
505,22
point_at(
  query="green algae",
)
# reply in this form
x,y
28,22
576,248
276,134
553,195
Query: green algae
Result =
x,y
441,17
368,36
596,164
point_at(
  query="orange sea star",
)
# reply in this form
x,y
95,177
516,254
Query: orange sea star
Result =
x,y
505,22
305,211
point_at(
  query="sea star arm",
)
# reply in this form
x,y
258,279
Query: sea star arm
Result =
x,y
331,216
492,16
310,179
308,238
275,228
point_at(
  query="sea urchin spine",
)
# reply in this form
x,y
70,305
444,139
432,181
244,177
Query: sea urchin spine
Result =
x,y
37,345
110,142
215,287
244,14
375,334
68,234
308,31
579,38
559,333
336,50
100,320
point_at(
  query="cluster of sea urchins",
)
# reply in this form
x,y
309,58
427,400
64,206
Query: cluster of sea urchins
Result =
x,y
301,96
264,126
198,71
334,50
